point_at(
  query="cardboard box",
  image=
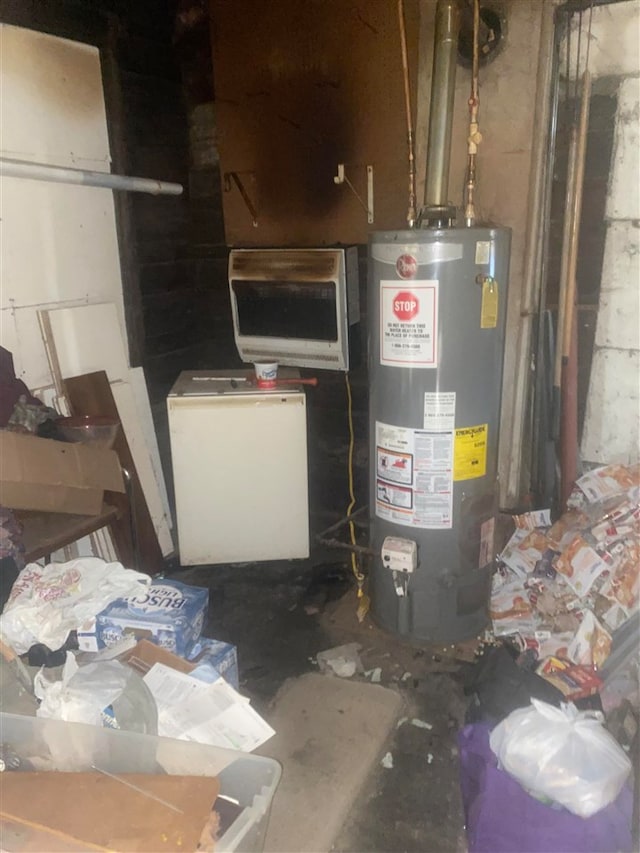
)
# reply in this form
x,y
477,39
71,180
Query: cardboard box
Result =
x,y
167,612
217,656
145,654
55,476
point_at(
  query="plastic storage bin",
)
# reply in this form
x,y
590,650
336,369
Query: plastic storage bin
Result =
x,y
75,747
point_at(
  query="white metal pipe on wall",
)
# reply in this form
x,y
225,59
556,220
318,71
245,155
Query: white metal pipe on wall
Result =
x,y
513,475
62,175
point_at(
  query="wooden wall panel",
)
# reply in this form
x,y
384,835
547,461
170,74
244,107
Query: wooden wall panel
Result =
x,y
300,86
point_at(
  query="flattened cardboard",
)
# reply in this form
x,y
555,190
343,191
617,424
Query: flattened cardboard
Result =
x,y
55,476
145,654
106,813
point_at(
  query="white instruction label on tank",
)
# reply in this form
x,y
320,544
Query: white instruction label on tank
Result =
x,y
440,411
483,252
414,476
409,323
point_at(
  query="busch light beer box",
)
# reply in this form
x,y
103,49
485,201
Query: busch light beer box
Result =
x,y
213,658
168,613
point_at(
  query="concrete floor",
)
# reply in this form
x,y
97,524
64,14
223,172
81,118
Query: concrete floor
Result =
x,y
330,733
280,615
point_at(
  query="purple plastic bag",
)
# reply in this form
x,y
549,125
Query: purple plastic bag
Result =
x,y
501,817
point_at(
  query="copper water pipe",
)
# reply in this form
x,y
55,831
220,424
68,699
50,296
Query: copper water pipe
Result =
x,y
568,335
475,137
411,212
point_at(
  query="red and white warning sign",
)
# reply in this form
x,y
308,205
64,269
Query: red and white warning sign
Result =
x,y
406,305
409,323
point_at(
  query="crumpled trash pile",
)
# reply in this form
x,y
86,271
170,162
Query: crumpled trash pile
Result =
x,y
562,588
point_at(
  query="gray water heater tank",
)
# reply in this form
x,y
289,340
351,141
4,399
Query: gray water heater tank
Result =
x,y
437,308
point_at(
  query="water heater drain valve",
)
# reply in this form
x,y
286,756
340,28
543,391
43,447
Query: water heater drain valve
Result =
x,y
400,556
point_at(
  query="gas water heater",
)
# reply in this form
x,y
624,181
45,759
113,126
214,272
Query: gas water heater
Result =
x,y
437,307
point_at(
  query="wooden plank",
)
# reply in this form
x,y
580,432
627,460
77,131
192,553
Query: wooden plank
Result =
x,y
88,338
129,405
141,812
123,202
91,395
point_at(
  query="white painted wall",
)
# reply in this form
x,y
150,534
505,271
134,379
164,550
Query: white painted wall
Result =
x,y
59,244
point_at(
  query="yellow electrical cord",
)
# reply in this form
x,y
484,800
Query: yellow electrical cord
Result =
x,y
363,598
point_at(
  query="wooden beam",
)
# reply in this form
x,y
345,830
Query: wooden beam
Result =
x,y
91,395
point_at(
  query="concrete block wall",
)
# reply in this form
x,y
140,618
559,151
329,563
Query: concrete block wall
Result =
x,y
611,429
612,420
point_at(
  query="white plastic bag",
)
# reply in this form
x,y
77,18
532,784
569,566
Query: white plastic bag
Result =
x,y
46,603
562,753
82,694
104,693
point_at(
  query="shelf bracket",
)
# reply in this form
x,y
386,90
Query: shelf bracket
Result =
x,y
235,177
342,178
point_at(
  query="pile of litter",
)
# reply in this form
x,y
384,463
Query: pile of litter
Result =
x,y
561,589
132,651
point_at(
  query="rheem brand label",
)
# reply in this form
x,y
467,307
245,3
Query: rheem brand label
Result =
x,y
407,266
409,324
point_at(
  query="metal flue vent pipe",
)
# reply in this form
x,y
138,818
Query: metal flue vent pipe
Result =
x,y
443,80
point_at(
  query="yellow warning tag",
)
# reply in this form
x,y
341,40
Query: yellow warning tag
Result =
x,y
470,453
489,311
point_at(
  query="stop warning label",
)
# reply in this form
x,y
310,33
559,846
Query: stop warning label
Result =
x,y
409,324
405,306
470,452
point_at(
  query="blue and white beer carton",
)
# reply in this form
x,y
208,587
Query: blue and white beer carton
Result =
x,y
213,658
167,612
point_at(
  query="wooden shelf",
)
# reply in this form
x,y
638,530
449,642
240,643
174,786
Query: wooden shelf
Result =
x,y
46,532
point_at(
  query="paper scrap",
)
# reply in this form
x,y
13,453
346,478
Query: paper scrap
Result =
x,y
343,661
531,520
591,644
524,550
421,724
215,714
580,565
607,481
170,687
387,761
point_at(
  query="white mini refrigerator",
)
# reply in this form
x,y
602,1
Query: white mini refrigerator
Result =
x,y
239,456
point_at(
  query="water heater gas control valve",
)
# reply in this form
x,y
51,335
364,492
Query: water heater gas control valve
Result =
x,y
399,555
